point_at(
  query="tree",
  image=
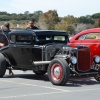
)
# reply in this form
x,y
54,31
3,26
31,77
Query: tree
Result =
x,y
96,15
86,19
80,27
97,23
3,13
49,19
26,12
4,18
36,15
13,16
67,24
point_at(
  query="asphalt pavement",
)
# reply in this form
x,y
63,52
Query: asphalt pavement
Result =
x,y
28,86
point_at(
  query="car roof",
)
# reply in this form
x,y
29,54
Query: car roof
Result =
x,y
94,30
90,30
39,32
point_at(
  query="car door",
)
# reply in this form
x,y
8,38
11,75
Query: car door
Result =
x,y
21,51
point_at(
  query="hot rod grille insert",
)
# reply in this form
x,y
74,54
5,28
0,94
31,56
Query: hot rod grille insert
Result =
x,y
84,59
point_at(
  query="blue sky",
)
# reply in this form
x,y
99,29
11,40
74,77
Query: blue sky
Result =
x,y
76,8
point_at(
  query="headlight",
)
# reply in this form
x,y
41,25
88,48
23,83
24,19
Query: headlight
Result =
x,y
96,59
73,60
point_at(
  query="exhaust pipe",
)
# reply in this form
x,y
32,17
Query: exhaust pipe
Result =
x,y
40,62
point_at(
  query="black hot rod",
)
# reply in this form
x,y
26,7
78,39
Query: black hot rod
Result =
x,y
47,51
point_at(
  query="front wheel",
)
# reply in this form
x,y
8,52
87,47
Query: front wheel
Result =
x,y
58,72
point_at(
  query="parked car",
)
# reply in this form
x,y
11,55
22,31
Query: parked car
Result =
x,y
86,37
46,51
89,38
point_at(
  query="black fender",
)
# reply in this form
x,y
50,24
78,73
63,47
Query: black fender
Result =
x,y
10,59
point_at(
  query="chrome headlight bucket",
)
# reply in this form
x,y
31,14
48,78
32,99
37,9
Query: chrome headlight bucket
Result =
x,y
66,48
73,60
96,59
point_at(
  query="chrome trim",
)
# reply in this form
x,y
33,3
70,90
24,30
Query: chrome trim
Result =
x,y
40,62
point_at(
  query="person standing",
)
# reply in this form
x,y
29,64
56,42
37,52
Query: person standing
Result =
x,y
32,25
4,30
4,33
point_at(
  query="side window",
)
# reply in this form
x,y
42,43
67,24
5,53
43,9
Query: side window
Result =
x,y
12,39
43,38
62,38
50,37
92,36
82,37
23,39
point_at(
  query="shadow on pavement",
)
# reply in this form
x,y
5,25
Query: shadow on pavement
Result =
x,y
29,76
73,81
82,81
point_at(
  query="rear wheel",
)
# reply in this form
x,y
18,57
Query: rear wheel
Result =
x,y
58,72
2,65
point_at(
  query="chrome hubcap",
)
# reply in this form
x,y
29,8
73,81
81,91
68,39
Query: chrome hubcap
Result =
x,y
57,72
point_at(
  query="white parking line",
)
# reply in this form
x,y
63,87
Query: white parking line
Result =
x,y
85,90
36,86
19,96
27,95
60,90
47,86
